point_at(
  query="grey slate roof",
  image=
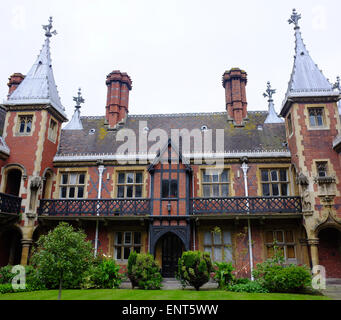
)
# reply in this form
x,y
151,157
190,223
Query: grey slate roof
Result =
x,y
96,139
39,86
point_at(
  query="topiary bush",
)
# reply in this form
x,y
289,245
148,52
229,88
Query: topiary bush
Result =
x,y
275,276
194,268
223,274
144,271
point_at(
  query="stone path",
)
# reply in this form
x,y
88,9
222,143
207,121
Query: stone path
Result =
x,y
333,289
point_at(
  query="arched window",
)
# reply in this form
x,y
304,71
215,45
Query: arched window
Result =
x,y
13,182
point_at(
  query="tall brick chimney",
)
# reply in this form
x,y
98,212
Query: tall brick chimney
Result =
x,y
234,82
119,84
14,80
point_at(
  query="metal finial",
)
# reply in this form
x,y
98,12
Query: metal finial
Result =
x,y
294,18
48,28
79,99
269,91
337,84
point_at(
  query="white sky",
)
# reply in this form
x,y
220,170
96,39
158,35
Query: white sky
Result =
x,y
174,51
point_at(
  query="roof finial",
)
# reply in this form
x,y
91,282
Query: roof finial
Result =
x,y
79,99
337,84
48,28
269,92
294,18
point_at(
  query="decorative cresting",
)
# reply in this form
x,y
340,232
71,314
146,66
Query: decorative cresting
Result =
x,y
243,205
9,204
76,123
272,115
92,207
156,233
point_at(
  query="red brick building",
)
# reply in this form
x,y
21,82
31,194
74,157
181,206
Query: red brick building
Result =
x,y
230,183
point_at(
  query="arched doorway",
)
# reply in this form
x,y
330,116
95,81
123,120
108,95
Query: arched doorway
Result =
x,y
169,249
13,182
330,252
10,247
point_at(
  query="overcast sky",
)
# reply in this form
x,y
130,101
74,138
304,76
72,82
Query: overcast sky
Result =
x,y
175,51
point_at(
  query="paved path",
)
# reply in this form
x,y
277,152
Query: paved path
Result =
x,y
333,289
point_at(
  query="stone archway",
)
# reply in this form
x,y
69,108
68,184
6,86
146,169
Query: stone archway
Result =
x,y
330,251
10,246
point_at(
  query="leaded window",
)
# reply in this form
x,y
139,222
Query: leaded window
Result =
x,y
129,184
316,117
322,169
275,182
72,185
25,124
126,242
215,183
284,240
219,245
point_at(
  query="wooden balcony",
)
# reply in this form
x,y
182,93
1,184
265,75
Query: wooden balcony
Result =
x,y
9,204
94,207
244,205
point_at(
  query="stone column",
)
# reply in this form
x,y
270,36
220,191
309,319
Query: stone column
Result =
x,y
313,243
26,244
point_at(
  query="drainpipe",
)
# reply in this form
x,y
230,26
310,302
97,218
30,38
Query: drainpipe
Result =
x,y
99,195
245,168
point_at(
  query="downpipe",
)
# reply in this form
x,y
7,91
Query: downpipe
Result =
x,y
99,195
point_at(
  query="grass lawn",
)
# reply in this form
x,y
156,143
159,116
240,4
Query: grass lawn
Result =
x,y
128,294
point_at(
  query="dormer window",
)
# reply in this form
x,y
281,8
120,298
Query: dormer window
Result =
x,y
25,124
316,117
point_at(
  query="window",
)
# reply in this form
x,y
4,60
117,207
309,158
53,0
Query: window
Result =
x,y
52,133
316,117
72,185
289,124
169,188
219,245
284,240
126,242
129,185
25,124
321,169
275,182
215,183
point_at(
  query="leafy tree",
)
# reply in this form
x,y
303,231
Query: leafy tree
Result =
x,y
62,254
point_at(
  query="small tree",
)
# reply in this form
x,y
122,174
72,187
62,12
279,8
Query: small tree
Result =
x,y
62,253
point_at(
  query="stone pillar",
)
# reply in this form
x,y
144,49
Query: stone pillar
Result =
x,y
313,243
26,244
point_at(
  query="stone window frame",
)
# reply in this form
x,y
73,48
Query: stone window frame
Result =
x,y
18,125
212,183
282,244
278,182
69,185
222,245
326,121
125,184
122,247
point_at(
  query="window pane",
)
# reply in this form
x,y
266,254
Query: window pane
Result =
x,y
129,191
319,120
217,254
137,237
80,192
137,249
224,176
174,188
266,190
289,237
22,126
216,238
227,237
130,177
207,238
64,178
284,189
275,190
270,252
138,177
215,177
279,236
29,125
120,192
269,237
118,253
73,178
265,176
138,191
63,192
127,238
283,174
274,175
215,190
291,252
121,176
81,178
228,254
207,192
118,237
224,190
206,177
72,192
126,253
209,250
165,188
312,120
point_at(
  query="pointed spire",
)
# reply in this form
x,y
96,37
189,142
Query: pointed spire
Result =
x,y
76,123
306,80
272,115
39,86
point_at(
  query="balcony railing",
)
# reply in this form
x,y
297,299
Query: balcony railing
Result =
x,y
9,203
93,207
244,205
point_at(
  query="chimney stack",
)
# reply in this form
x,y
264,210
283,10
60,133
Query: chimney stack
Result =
x,y
234,82
14,80
119,84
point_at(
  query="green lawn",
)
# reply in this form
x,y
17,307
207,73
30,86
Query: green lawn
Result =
x,y
128,294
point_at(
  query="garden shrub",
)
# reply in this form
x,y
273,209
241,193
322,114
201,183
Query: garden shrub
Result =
x,y
194,268
248,286
103,274
144,271
223,274
274,275
6,275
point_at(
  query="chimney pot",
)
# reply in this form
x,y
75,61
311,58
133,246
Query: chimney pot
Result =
x,y
14,81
